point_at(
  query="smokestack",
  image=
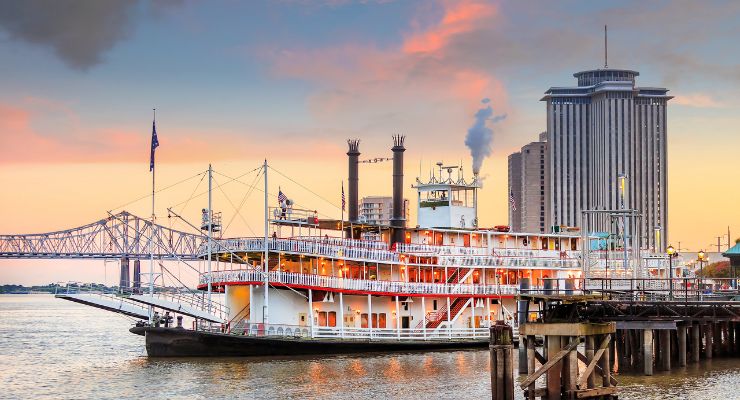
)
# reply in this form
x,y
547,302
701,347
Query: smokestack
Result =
x,y
398,221
353,154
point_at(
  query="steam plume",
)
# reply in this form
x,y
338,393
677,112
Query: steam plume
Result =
x,y
480,136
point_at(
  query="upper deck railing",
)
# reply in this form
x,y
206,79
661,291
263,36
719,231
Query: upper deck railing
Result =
x,y
373,251
363,285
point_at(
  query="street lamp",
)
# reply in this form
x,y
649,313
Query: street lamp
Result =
x,y
701,257
671,253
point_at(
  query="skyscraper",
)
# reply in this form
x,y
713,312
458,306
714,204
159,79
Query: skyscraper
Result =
x,y
603,128
529,188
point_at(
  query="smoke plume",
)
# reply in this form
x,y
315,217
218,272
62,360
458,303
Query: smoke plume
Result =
x,y
480,136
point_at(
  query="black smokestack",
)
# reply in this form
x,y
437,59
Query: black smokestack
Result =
x,y
398,222
354,154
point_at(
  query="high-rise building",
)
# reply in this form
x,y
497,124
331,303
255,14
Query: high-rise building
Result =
x,y
378,210
529,188
603,128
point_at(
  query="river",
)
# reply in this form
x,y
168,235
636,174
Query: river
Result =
x,y
52,348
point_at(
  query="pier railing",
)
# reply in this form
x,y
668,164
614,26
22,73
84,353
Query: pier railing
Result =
x,y
363,285
650,289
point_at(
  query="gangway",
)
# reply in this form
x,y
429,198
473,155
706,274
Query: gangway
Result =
x,y
94,297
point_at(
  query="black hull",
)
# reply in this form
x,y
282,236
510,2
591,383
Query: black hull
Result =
x,y
178,342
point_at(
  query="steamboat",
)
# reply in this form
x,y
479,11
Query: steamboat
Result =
x,y
315,285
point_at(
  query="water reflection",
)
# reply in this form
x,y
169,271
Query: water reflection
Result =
x,y
71,351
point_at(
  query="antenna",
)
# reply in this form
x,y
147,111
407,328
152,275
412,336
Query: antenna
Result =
x,y
606,49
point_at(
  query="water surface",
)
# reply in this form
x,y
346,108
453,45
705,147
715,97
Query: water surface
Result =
x,y
51,348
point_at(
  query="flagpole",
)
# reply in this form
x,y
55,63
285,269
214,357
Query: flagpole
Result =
x,y
342,209
151,235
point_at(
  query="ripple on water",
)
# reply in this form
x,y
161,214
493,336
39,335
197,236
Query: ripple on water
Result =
x,y
51,348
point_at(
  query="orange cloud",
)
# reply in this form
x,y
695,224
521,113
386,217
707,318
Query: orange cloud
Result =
x,y
459,18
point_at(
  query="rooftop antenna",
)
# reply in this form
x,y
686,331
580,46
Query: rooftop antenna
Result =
x,y
606,49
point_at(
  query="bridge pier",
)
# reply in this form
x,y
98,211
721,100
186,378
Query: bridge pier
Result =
x,y
136,286
124,280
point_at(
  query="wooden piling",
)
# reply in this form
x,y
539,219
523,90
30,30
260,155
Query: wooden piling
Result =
x,y
647,355
708,337
553,374
561,368
681,332
591,380
531,364
695,342
501,347
665,350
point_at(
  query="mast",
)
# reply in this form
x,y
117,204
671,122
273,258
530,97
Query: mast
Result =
x,y
210,232
265,308
151,234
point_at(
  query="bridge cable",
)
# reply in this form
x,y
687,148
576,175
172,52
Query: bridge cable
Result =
x,y
306,188
244,199
236,210
160,190
225,183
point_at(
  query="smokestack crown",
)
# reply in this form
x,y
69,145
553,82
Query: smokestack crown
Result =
x,y
354,147
398,143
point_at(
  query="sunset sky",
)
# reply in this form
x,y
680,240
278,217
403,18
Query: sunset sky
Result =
x,y
237,82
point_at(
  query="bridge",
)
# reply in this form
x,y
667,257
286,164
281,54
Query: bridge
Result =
x,y
119,236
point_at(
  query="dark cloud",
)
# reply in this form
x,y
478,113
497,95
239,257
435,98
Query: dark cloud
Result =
x,y
78,31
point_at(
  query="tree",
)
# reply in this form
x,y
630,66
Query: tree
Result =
x,y
719,269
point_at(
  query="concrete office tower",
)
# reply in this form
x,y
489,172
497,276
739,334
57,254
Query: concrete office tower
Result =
x,y
529,187
602,128
378,210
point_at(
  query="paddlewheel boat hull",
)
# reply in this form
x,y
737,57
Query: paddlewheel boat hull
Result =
x,y
179,342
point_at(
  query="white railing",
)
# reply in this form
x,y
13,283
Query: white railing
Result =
x,y
428,249
401,334
332,282
526,262
317,247
295,331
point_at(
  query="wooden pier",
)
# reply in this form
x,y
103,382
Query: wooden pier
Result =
x,y
610,333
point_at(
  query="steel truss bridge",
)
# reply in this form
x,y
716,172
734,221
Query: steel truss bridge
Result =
x,y
119,236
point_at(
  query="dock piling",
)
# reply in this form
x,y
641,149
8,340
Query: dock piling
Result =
x,y
501,347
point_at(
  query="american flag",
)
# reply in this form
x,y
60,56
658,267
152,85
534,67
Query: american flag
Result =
x,y
512,201
155,144
344,201
281,196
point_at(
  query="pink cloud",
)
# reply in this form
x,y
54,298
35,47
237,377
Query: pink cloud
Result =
x,y
21,143
698,100
359,81
460,17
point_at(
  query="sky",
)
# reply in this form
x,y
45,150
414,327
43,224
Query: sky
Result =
x,y
235,83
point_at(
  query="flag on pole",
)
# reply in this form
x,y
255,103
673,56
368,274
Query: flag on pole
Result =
x,y
281,196
155,144
512,201
344,201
